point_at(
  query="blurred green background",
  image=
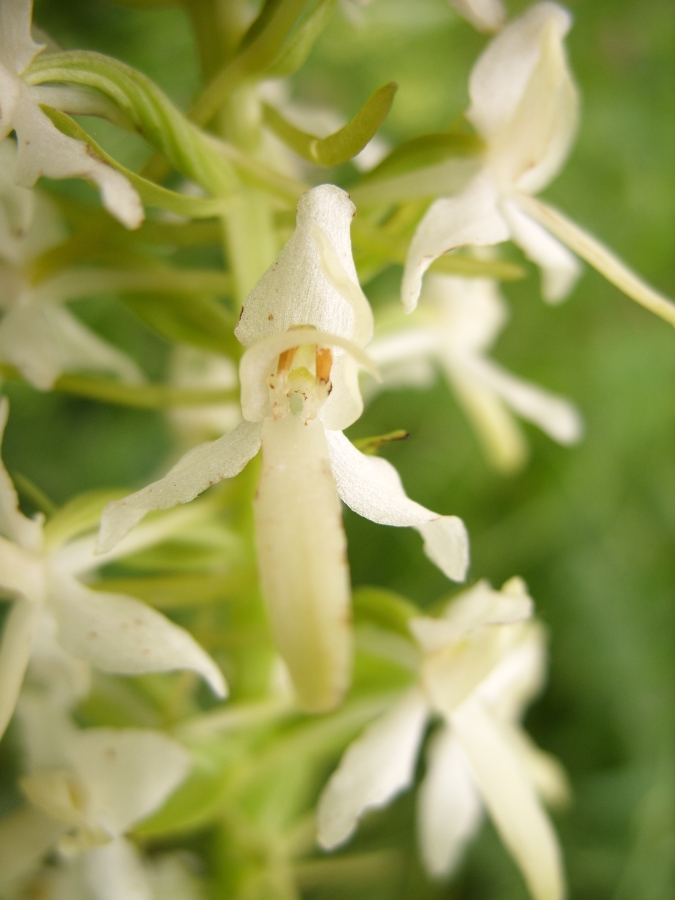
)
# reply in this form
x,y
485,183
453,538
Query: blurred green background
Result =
x,y
591,529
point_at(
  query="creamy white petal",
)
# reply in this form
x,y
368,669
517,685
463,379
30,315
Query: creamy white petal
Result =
x,y
17,47
557,417
43,342
17,639
13,524
44,150
25,837
116,633
302,559
600,257
519,677
560,269
484,15
334,271
449,810
500,77
470,219
127,773
545,772
376,767
502,438
472,310
115,872
511,800
194,473
260,361
295,289
372,488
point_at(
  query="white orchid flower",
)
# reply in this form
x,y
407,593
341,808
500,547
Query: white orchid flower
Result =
x,y
524,105
87,788
38,334
113,632
484,15
459,322
479,665
304,325
42,148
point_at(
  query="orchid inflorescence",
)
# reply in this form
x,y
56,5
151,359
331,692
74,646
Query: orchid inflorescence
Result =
x,y
119,764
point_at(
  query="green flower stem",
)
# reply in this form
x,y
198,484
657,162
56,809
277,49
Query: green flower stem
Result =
x,y
140,396
180,591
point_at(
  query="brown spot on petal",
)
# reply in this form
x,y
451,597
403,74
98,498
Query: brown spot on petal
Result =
x,y
92,635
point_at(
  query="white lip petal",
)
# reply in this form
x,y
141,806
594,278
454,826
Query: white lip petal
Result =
x,y
560,269
13,524
43,342
449,810
511,800
44,150
302,559
470,219
260,361
119,634
17,640
557,417
377,766
194,473
484,15
500,77
295,290
372,488
115,872
127,773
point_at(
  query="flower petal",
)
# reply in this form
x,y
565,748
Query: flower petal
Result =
x,y
194,473
372,488
557,417
25,837
260,361
13,524
511,800
127,773
501,436
484,15
544,771
295,289
559,268
17,639
375,767
600,257
116,633
17,47
448,806
44,150
500,77
43,342
115,872
470,219
302,559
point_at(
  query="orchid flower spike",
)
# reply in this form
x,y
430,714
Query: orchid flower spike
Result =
x,y
524,105
38,334
42,148
304,324
479,666
484,15
459,321
87,789
113,632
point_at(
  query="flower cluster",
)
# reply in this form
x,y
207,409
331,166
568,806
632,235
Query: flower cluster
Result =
x,y
116,771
